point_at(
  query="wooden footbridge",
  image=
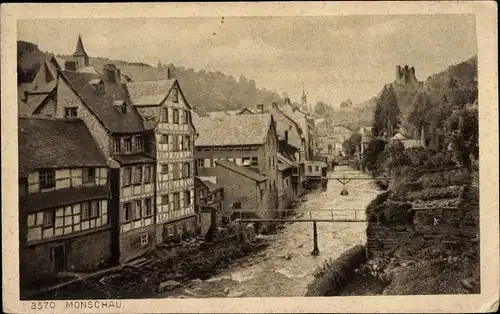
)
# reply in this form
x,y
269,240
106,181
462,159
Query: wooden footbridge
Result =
x,y
330,215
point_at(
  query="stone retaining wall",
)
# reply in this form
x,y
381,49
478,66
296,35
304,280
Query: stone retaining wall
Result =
x,y
430,226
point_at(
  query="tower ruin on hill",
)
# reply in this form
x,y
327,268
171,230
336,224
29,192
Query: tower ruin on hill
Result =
x,y
405,75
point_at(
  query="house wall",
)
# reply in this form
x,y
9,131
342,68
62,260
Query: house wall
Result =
x,y
286,191
67,222
239,188
283,124
66,97
83,253
175,179
67,178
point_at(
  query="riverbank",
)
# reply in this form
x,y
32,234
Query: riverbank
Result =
x,y
164,269
422,238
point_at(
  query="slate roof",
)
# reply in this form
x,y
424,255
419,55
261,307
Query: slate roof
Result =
x,y
297,126
149,92
101,104
241,170
44,200
56,143
80,51
221,113
232,130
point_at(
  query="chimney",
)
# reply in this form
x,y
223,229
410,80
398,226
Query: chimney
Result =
x,y
286,136
70,65
260,108
169,74
275,104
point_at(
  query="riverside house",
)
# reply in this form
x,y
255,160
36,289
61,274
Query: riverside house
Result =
x,y
164,109
64,215
101,101
248,141
209,203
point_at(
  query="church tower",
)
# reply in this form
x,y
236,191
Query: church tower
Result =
x,y
304,100
80,55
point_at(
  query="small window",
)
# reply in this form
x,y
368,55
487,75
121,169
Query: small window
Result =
x,y
164,115
185,117
274,163
255,161
94,209
164,168
48,219
127,212
165,199
246,162
147,207
47,178
138,210
127,176
127,145
175,143
186,170
187,143
147,174
175,95
187,197
139,144
164,139
176,116
116,146
88,175
317,168
123,108
261,194
199,163
144,239
269,161
170,230
70,112
138,175
85,211
310,168
177,201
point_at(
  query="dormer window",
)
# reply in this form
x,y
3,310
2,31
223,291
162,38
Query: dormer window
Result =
x,y
97,85
120,105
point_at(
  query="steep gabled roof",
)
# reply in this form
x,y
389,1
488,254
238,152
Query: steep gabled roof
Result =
x,y
147,93
80,51
232,130
297,126
241,170
212,186
101,104
56,143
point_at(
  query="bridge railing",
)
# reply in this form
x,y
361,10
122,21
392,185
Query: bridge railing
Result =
x,y
318,215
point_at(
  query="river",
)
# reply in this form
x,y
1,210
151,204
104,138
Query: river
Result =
x,y
285,268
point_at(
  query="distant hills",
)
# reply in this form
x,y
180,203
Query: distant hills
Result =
x,y
462,76
210,91
205,90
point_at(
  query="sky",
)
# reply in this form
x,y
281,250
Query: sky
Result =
x,y
332,57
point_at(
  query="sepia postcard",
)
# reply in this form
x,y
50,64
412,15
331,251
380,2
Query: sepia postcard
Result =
x,y
250,157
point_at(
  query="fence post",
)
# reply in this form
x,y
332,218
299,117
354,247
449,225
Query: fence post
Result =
x,y
315,251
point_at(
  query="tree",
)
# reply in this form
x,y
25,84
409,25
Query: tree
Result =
x,y
419,117
351,144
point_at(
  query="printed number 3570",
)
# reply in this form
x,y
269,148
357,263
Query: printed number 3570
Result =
x,y
42,305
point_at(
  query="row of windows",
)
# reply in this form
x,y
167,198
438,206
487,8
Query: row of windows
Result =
x,y
244,161
176,199
89,210
179,170
310,168
128,144
137,175
47,177
176,116
137,209
179,142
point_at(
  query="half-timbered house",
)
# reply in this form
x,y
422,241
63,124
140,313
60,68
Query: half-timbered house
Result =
x,y
164,109
64,213
101,100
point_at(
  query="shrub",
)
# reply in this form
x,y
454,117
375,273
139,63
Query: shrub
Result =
x,y
333,275
373,208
